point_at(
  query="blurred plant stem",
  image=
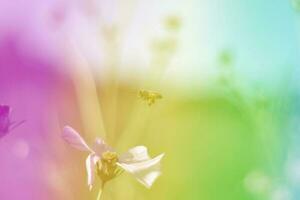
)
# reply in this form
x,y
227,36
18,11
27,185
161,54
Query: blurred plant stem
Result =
x,y
99,193
112,39
111,32
263,111
86,92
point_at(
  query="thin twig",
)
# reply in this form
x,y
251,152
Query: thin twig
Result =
x,y
15,125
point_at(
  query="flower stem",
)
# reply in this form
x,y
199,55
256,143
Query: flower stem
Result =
x,y
99,194
100,191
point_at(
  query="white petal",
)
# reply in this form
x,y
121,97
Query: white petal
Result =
x,y
145,172
90,163
100,146
136,154
74,139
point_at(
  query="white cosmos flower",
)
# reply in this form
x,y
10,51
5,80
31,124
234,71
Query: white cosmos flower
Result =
x,y
105,162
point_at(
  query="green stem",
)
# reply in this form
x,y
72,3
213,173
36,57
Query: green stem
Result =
x,y
99,194
100,191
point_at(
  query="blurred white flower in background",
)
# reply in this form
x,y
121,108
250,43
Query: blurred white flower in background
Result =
x,y
281,193
293,171
257,183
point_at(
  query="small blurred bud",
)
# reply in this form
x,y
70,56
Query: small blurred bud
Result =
x,y
226,58
172,23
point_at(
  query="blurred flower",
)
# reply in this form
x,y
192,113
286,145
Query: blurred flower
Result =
x,y
293,171
281,193
5,124
257,183
106,163
4,120
149,96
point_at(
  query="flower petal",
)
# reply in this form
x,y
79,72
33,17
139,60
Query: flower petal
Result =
x,y
90,163
100,146
74,139
135,154
145,172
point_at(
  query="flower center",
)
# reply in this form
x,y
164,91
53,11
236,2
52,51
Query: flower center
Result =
x,y
107,167
109,157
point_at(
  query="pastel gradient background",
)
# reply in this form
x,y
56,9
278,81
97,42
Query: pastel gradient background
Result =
x,y
228,71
